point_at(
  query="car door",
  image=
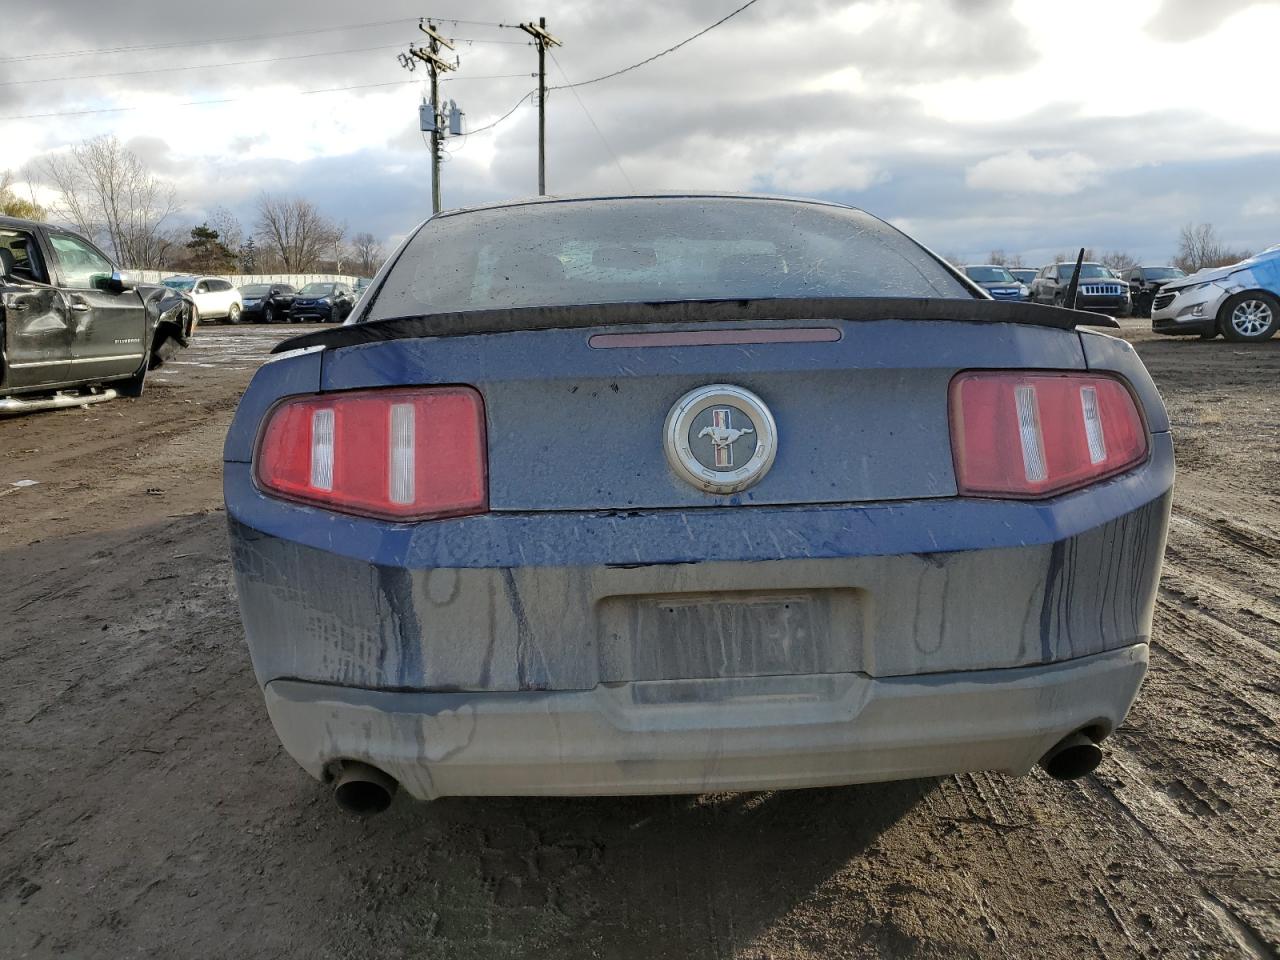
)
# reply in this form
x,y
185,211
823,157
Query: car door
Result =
x,y
36,344
341,302
206,301
225,293
108,326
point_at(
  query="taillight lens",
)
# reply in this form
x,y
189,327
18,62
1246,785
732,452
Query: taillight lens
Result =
x,y
404,454
1040,434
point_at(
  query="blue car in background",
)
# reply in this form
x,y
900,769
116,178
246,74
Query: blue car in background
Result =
x,y
677,494
1240,301
997,281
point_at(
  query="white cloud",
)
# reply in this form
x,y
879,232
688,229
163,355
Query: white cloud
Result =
x,y
1018,171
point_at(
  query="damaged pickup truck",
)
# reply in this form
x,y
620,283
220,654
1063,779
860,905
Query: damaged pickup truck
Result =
x,y
74,328
678,494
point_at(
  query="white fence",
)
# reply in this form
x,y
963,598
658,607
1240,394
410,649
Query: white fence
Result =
x,y
240,279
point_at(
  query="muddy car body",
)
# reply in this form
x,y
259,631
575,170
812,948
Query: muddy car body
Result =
x,y
70,320
679,494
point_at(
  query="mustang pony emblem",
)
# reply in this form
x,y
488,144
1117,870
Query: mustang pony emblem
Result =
x,y
723,436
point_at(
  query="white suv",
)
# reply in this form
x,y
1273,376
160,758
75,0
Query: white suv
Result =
x,y
215,298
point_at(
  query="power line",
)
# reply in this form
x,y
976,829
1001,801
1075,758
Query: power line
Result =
x,y
616,161
201,43
490,126
205,103
241,63
200,66
634,66
92,51
492,76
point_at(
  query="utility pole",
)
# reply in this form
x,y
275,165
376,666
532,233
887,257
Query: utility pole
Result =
x,y
543,40
431,57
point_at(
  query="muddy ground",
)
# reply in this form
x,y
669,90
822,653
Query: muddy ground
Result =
x,y
147,809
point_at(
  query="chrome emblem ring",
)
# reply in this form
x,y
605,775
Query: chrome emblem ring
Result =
x,y
720,438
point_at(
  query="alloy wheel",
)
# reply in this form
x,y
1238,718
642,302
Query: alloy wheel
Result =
x,y
1251,317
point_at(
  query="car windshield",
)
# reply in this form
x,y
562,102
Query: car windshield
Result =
x,y
1088,271
1162,273
316,290
179,283
646,249
256,289
989,275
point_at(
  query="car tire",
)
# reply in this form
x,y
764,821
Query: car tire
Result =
x,y
233,313
1249,317
269,314
195,317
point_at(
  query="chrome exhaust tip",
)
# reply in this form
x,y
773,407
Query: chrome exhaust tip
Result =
x,y
362,789
1072,757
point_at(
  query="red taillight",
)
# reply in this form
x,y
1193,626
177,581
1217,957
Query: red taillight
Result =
x,y
1041,434
405,454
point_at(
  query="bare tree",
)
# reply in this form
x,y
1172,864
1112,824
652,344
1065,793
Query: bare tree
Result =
x,y
1118,260
295,231
107,192
229,230
1199,247
368,253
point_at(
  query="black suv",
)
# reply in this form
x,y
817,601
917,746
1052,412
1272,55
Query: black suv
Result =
x,y
1145,283
1099,290
325,302
70,319
269,302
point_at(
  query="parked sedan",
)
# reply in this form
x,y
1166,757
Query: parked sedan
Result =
x,y
268,302
1097,290
1240,301
997,281
74,327
215,298
322,303
1145,283
687,494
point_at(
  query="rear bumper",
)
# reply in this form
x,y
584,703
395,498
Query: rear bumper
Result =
x,y
695,736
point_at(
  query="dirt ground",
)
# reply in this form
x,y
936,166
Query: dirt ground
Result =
x,y
147,809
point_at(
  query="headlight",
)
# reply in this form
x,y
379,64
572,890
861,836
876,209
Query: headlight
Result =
x,y
1023,291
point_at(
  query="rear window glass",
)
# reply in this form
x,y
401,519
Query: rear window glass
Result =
x,y
602,251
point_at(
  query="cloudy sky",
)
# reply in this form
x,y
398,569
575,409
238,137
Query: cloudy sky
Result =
x,y
1020,125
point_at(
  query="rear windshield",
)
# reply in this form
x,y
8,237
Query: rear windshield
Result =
x,y
626,250
989,275
179,283
1162,273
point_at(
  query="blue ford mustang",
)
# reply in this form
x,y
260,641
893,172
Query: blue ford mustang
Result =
x,y
689,493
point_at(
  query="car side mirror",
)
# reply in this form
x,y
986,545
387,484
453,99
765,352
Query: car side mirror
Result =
x,y
118,281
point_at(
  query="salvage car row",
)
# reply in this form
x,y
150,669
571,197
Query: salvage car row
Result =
x,y
1240,301
216,299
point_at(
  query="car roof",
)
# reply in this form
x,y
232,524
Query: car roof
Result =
x,y
993,266
660,195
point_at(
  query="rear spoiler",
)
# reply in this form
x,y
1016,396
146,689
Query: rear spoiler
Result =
x,y
519,319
